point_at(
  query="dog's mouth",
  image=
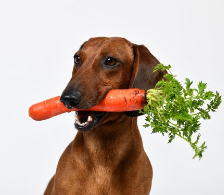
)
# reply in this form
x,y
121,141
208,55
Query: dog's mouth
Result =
x,y
85,120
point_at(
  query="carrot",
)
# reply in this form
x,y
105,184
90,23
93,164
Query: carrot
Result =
x,y
117,100
170,108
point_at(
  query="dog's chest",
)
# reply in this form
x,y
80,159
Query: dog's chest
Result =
x,y
102,175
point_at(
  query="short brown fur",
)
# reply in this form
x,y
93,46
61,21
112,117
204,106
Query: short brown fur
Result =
x,y
109,159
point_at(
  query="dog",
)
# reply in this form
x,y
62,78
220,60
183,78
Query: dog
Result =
x,y
107,155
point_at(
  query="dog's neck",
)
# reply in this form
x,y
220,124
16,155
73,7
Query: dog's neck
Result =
x,y
111,142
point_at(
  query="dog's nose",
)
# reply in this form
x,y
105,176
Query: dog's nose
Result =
x,y
71,100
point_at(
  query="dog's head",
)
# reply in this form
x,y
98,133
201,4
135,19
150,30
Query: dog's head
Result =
x,y
102,64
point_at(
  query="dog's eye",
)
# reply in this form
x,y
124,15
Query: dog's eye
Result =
x,y
77,60
111,61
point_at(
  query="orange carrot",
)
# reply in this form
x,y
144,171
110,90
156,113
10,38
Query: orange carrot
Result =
x,y
117,100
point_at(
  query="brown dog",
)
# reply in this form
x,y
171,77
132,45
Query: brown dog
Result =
x,y
107,155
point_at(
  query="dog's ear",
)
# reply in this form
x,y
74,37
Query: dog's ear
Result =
x,y
144,63
143,76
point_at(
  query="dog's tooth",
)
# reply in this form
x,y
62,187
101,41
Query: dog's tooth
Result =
x,y
90,119
77,121
81,124
76,117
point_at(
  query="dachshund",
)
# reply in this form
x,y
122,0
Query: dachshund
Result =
x,y
107,155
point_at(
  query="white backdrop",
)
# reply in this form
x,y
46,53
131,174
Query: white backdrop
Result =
x,y
37,43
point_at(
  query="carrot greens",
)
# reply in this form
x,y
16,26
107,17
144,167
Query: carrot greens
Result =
x,y
176,110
